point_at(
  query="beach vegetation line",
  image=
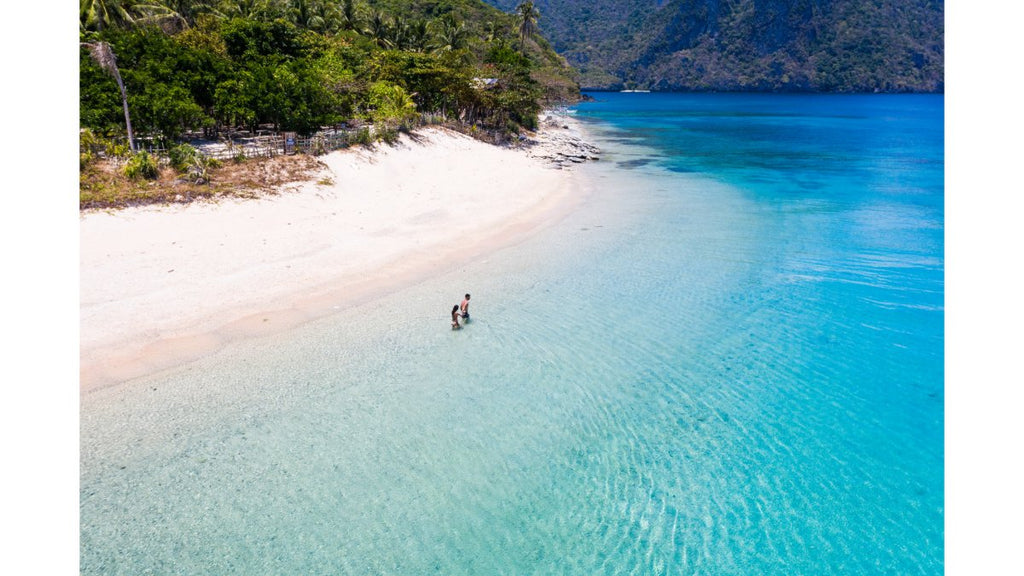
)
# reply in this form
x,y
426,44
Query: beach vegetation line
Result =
x,y
245,79
186,68
143,178
141,165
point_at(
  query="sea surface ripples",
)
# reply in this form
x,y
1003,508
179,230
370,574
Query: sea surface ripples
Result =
x,y
702,371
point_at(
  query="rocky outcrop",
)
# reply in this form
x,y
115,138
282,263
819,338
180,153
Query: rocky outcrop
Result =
x,y
559,143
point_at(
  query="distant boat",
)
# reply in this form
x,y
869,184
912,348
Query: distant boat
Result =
x,y
634,90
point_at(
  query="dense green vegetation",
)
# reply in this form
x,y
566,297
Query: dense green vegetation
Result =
x,y
181,66
765,45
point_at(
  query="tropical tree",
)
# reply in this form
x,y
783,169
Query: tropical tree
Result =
x,y
168,109
100,15
187,10
311,14
104,56
527,14
234,102
256,9
452,34
399,36
158,13
326,17
349,15
379,28
417,36
491,30
216,63
389,103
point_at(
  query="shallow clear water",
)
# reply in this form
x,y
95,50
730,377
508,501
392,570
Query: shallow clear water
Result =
x,y
728,361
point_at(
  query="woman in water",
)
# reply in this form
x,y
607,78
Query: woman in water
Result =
x,y
455,317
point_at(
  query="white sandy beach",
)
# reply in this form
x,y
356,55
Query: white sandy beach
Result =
x,y
164,285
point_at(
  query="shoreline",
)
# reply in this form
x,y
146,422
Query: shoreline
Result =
x,y
163,286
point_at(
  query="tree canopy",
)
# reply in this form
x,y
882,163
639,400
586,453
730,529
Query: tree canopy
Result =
x,y
300,65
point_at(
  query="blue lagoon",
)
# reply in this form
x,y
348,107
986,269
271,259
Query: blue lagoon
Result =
x,y
727,360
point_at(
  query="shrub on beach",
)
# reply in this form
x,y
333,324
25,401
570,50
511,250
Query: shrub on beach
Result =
x,y
187,160
142,165
390,103
407,125
388,135
115,149
87,142
199,168
182,156
364,136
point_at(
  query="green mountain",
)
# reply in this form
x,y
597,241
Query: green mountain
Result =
x,y
765,45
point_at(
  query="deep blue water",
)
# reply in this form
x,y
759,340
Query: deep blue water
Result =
x,y
729,360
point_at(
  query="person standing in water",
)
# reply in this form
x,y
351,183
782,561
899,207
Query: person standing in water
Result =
x,y
455,317
464,307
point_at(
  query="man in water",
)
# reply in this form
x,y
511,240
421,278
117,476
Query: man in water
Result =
x,y
464,307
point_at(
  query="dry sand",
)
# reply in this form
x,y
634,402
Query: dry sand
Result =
x,y
161,286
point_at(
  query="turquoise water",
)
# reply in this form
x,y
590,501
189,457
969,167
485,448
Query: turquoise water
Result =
x,y
729,360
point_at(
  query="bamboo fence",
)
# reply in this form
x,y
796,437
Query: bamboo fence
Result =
x,y
276,144
270,145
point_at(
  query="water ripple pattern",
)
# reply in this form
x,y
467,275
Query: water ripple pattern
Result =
x,y
728,361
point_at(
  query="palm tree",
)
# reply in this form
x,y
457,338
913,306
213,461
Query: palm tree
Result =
x,y
164,13
528,16
452,35
378,28
349,15
491,30
400,34
319,15
187,10
418,36
102,14
300,12
245,8
104,56
326,17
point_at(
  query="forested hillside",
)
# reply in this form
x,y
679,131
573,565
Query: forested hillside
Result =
x,y
175,66
777,45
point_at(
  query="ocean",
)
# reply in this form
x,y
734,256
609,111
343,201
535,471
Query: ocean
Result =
x,y
728,360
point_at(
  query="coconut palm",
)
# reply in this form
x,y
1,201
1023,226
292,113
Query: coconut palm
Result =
x,y
104,56
187,10
319,15
164,13
246,8
100,15
103,14
400,34
407,35
326,17
528,15
349,15
491,30
300,13
452,34
417,36
378,28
